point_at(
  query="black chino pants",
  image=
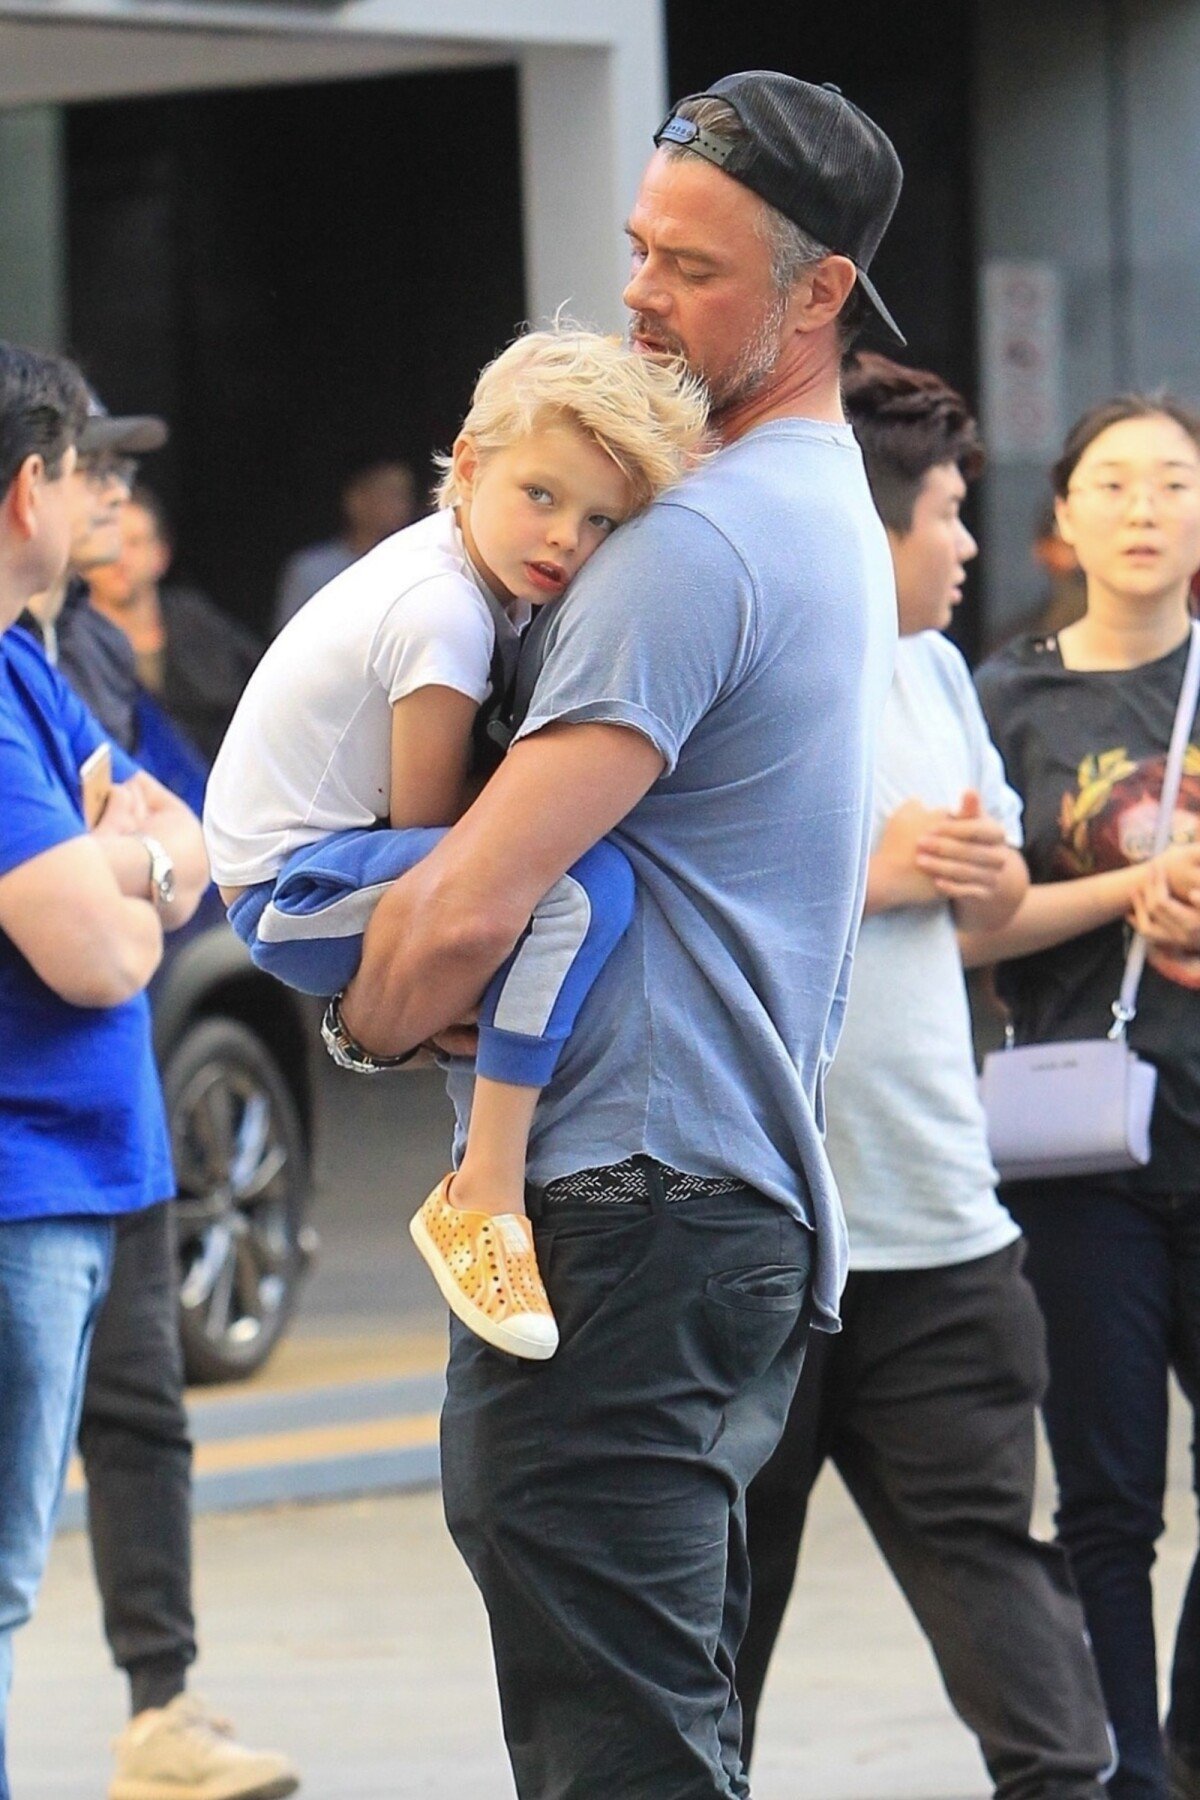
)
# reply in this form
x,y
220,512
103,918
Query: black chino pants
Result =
x,y
598,1498
137,1457
925,1405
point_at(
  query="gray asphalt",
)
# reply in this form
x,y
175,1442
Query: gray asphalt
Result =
x,y
349,1635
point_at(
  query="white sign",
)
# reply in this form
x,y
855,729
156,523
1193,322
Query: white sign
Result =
x,y
1022,329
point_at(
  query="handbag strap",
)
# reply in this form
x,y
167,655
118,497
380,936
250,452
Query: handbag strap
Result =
x,y
1125,1005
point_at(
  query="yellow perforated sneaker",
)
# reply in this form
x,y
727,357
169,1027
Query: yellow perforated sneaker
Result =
x,y
487,1270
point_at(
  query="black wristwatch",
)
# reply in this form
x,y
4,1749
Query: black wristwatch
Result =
x,y
348,1053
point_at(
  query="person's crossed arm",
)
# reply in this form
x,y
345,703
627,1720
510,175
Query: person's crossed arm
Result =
x,y
442,931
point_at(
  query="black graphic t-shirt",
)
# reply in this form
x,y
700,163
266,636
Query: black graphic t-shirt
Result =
x,y
1086,750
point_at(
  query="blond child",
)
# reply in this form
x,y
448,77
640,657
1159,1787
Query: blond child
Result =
x,y
365,712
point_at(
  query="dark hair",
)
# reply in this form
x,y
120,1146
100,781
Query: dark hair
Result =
x,y
43,403
1116,411
148,500
907,421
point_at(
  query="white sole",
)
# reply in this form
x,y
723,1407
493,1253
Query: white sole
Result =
x,y
136,1789
472,1316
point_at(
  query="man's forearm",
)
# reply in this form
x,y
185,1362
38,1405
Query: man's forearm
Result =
x,y
425,965
442,931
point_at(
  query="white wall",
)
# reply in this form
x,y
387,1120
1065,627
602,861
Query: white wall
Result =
x,y
31,238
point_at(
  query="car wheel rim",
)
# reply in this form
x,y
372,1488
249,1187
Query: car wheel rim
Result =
x,y
231,1165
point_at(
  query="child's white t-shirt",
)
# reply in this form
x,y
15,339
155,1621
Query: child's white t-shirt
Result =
x,y
309,749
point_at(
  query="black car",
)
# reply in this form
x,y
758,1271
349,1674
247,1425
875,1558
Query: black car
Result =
x,y
235,1053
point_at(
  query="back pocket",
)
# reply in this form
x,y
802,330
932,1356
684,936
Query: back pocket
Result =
x,y
753,1313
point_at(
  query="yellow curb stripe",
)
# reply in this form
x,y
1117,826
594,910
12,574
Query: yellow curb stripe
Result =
x,y
318,1443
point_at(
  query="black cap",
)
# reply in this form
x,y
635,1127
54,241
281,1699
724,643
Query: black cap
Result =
x,y
811,154
131,435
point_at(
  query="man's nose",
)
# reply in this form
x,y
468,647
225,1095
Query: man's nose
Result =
x,y
642,294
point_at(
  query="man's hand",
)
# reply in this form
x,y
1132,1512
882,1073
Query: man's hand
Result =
x,y
893,877
126,810
972,866
459,1039
965,853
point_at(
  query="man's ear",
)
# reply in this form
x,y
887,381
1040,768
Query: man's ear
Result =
x,y
464,464
821,292
21,501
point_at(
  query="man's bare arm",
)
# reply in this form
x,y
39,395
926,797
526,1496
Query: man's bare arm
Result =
x,y
443,930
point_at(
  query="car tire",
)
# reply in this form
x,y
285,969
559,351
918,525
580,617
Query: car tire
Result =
x,y
241,1165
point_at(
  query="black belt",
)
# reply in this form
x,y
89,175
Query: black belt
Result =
x,y
629,1183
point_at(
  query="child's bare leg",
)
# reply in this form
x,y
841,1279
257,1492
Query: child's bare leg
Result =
x,y
491,1176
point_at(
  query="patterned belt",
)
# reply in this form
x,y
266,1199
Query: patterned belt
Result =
x,y
628,1184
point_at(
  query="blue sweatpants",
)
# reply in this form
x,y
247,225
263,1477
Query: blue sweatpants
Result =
x,y
307,926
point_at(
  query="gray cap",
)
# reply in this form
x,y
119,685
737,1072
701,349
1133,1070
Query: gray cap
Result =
x,y
129,435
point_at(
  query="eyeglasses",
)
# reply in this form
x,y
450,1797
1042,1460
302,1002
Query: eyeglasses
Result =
x,y
101,469
1114,495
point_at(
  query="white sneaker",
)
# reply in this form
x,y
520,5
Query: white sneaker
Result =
x,y
184,1752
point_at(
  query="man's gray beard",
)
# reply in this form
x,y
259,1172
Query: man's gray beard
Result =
x,y
756,363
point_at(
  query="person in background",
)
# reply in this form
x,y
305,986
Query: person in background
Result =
x,y
1083,718
133,1430
189,654
375,502
926,1401
97,860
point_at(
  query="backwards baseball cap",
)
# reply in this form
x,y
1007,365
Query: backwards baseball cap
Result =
x,y
811,154
130,435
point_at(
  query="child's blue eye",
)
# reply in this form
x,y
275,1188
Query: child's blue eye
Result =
x,y
539,494
602,522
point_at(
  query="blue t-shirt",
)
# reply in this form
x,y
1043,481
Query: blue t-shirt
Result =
x,y
82,1127
745,624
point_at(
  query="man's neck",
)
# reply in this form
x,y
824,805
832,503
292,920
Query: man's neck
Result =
x,y
805,384
138,608
46,607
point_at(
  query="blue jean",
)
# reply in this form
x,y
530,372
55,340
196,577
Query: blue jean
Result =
x,y
53,1277
1117,1274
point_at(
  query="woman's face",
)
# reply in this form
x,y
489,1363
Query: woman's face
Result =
x,y
1132,509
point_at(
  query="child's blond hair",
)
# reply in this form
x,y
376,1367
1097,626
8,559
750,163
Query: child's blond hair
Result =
x,y
648,415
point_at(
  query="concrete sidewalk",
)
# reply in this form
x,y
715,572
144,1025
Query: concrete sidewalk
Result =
x,y
350,1636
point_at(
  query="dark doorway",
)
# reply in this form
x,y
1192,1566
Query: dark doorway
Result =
x,y
301,280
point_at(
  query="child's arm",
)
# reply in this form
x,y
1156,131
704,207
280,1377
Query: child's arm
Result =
x,y
431,757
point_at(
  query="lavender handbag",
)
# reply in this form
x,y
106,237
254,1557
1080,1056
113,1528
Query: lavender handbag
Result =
x,y
1083,1107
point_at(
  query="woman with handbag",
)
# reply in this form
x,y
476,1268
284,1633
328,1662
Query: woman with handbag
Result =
x,y
1084,720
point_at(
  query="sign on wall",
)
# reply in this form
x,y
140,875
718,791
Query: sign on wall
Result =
x,y
1022,361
